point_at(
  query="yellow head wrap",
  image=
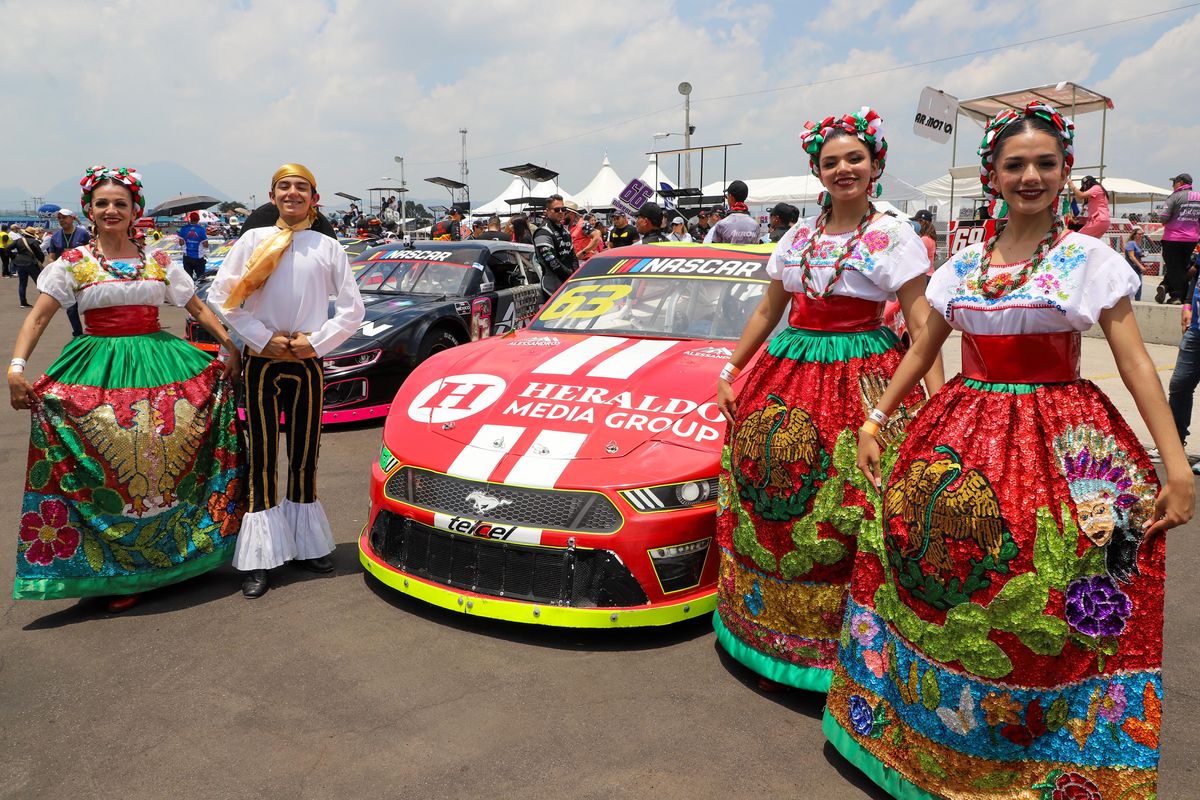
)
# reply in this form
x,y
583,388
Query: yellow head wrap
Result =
x,y
266,255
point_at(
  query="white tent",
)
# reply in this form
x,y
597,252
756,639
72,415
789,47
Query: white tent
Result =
x,y
1123,191
603,188
516,189
797,189
960,182
656,177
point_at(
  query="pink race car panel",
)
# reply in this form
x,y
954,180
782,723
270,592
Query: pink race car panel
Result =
x,y
566,473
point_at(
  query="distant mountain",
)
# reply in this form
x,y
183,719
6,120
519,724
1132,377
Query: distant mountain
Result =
x,y
13,196
163,180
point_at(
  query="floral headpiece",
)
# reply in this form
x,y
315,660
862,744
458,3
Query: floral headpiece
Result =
x,y
987,151
864,124
122,175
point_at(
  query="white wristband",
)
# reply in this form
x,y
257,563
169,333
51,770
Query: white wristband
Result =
x,y
18,362
878,416
729,372
16,368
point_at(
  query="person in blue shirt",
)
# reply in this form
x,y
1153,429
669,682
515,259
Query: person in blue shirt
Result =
x,y
69,236
1186,376
1134,255
194,239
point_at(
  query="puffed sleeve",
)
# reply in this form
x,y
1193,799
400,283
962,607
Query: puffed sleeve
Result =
x,y
1106,278
246,324
946,278
180,286
348,310
775,264
57,281
894,254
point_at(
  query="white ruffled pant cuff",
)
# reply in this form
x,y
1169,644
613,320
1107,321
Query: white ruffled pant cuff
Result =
x,y
288,531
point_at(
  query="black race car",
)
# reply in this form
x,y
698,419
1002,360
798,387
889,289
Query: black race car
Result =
x,y
421,300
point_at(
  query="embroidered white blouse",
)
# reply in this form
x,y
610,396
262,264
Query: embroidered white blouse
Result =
x,y
888,255
1080,277
76,278
296,298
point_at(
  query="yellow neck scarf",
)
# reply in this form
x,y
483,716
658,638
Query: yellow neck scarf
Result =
x,y
265,258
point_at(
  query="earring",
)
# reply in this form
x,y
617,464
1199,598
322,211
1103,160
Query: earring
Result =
x,y
824,200
875,189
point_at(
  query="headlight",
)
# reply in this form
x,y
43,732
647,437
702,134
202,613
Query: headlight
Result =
x,y
672,496
343,363
679,567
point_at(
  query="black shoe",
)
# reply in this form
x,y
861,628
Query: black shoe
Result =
x,y
26,305
320,565
1160,294
255,584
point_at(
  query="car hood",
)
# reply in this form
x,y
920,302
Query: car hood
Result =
x,y
556,396
387,314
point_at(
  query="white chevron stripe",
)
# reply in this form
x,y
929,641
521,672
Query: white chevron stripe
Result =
x,y
480,457
546,459
577,355
629,360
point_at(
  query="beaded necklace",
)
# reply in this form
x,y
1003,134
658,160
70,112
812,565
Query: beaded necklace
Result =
x,y
840,265
998,285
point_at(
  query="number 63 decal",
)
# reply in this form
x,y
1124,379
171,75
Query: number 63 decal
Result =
x,y
586,301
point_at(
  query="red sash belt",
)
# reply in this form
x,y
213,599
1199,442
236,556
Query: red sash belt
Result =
x,y
835,313
121,321
1025,358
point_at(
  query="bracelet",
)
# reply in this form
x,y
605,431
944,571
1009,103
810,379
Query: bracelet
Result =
x,y
18,362
16,369
730,371
871,428
878,416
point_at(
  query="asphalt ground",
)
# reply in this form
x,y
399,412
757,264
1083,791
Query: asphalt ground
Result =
x,y
337,687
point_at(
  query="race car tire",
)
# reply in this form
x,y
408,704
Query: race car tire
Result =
x,y
436,341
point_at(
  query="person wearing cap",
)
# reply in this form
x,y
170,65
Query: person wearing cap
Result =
x,y
1181,231
450,228
928,234
194,239
679,231
553,248
477,228
25,254
622,233
1090,191
738,227
780,218
649,223
69,236
273,288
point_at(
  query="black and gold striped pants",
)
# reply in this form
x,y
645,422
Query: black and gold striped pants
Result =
x,y
296,388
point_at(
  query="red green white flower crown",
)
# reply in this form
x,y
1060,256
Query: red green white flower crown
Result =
x,y
987,153
864,124
123,175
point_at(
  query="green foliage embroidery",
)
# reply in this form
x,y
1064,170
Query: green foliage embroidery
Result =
x,y
39,474
931,693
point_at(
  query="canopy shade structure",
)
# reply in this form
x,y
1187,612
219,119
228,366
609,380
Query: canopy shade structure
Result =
x,y
518,190
1124,191
1068,97
385,189
349,197
531,172
448,183
599,193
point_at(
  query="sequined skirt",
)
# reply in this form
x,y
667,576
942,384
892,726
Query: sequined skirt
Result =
x,y
133,469
791,499
1003,636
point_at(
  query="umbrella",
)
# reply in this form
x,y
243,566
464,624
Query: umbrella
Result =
x,y
49,208
181,205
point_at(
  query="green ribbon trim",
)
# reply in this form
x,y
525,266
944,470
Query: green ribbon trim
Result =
x,y
882,775
809,678
1003,388
828,347
104,585
128,362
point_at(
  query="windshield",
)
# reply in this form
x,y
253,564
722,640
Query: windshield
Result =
x,y
413,277
670,307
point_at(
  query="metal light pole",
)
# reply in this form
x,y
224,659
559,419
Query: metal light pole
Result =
x,y
403,197
685,89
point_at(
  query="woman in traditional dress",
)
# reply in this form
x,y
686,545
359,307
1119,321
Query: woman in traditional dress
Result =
x,y
791,501
1003,636
133,453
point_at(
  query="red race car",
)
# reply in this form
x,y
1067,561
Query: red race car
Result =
x,y
566,473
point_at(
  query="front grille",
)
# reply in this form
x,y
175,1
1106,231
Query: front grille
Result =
x,y
587,512
557,576
343,392
196,333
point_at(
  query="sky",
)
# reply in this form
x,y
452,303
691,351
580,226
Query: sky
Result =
x,y
230,89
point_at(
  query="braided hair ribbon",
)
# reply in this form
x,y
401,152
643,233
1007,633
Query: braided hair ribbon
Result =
x,y
997,124
125,176
864,124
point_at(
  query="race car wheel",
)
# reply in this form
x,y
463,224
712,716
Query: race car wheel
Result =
x,y
435,342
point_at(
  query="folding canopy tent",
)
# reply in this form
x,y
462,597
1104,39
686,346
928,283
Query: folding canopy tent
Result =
x,y
599,193
518,191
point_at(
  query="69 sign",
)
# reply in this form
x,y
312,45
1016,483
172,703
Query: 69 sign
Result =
x,y
960,236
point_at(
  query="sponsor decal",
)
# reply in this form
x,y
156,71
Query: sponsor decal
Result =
x,y
456,397
370,328
719,353
619,410
483,502
487,530
412,255
717,267
463,308
586,301
536,341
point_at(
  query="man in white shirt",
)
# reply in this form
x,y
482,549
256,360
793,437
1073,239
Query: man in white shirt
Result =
x,y
274,289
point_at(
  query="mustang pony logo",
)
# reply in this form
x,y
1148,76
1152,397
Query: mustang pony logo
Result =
x,y
484,502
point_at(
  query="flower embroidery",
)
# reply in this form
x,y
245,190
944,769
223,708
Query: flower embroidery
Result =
x,y
47,533
226,508
85,271
1072,786
862,716
1046,282
875,240
1096,607
1000,709
72,256
863,628
1112,705
161,258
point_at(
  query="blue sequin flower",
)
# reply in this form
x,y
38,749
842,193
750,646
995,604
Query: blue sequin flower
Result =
x,y
862,716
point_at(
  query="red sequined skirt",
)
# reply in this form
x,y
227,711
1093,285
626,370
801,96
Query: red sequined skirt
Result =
x,y
1003,636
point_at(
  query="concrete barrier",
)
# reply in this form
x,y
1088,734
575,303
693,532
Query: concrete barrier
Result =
x,y
1159,324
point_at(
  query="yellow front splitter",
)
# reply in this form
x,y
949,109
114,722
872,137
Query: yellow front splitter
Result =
x,y
533,613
